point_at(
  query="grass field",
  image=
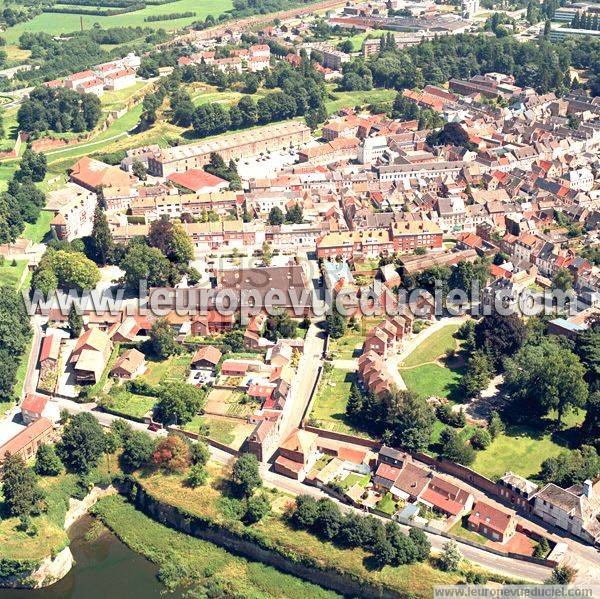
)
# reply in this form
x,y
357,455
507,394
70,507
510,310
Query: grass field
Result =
x,y
460,529
232,432
521,449
208,563
37,231
357,98
329,407
12,275
434,379
55,24
433,347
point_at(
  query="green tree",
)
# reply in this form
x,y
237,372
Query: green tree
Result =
x,y
257,508
495,424
481,438
75,322
543,377
82,443
22,495
47,463
294,214
162,339
276,216
336,325
197,476
139,170
421,543
454,448
138,447
246,474
451,557
563,280
178,402
200,453
477,375
500,336
33,166
102,244
410,420
143,263
562,575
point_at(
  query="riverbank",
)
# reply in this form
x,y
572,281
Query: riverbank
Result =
x,y
191,562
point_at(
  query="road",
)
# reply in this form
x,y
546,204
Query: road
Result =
x,y
32,375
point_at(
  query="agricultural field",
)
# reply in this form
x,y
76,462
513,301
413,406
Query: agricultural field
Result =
x,y
55,24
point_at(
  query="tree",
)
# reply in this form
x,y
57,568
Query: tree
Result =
x,y
276,216
499,336
162,339
246,474
406,552
47,463
143,263
178,402
22,496
199,453
545,376
33,166
563,280
257,508
75,322
139,170
102,244
421,543
67,270
305,512
336,325
454,448
197,476
210,119
329,519
451,557
410,419
172,453
267,253
346,46
481,438
354,405
495,424
171,239
477,375
294,215
138,447
82,443
562,575
384,552
571,467
542,548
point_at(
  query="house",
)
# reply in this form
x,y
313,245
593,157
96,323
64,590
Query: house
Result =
x,y
234,368
411,482
73,207
446,498
32,407
385,477
297,454
491,522
90,355
26,442
517,489
206,356
393,457
94,175
280,354
576,509
198,181
129,365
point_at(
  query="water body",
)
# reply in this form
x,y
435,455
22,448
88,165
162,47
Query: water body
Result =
x,y
105,567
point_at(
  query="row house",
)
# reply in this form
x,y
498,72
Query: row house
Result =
x,y
423,171
388,334
409,235
349,244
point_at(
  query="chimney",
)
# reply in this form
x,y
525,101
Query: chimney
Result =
x,y
588,488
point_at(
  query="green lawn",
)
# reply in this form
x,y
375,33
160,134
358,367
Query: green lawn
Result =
x,y
129,404
387,504
433,347
357,98
358,39
348,346
432,379
521,449
55,24
354,478
11,275
208,563
329,407
37,231
115,100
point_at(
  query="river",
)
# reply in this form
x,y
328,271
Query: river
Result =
x,y
105,567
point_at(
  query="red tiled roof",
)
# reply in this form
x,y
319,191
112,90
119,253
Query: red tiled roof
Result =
x,y
388,472
441,502
34,403
489,516
196,179
209,353
25,437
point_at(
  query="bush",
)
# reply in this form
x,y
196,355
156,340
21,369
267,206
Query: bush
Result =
x,y
447,415
481,439
258,507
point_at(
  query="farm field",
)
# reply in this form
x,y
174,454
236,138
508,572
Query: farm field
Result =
x,y
55,24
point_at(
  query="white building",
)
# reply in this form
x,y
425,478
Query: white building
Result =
x,y
372,148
